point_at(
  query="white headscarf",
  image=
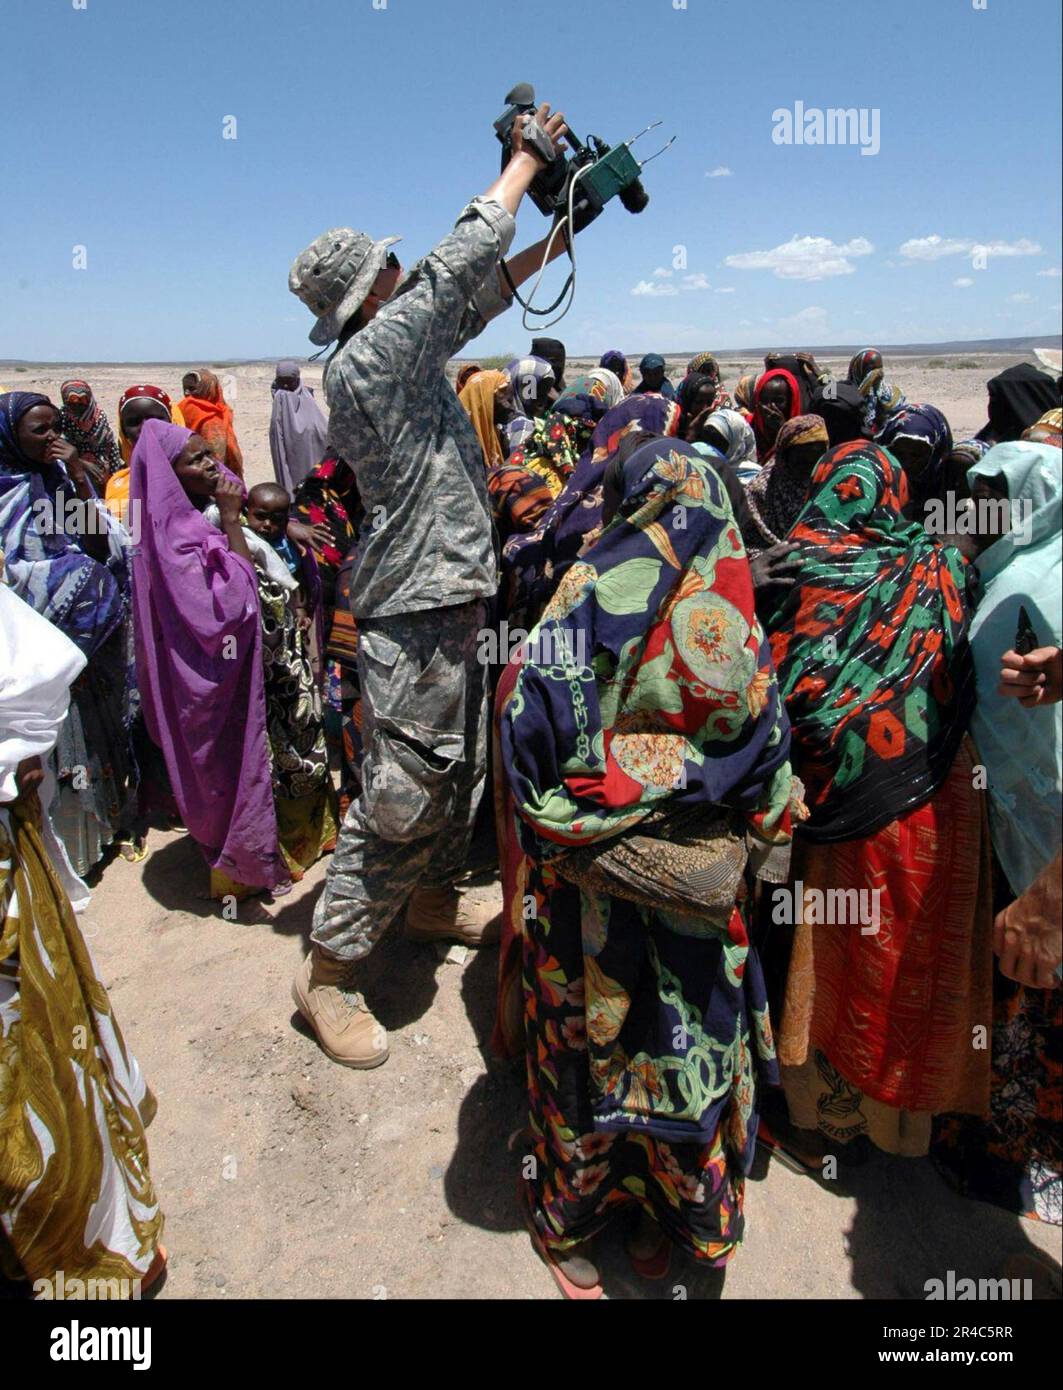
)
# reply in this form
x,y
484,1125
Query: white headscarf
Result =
x,y
37,665
741,448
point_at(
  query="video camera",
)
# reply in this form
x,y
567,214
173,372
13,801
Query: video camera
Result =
x,y
595,173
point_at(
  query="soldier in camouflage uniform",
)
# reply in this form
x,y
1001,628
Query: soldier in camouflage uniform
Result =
x,y
422,583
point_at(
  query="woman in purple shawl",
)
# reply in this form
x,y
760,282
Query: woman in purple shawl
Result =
x,y
297,428
68,559
200,658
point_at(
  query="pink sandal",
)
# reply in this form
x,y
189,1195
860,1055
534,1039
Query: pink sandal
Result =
x,y
567,1287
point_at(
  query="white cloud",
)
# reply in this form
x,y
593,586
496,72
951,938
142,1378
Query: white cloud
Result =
x,y
1022,247
1052,273
804,258
662,274
650,287
963,283
720,172
724,289
933,248
695,282
1021,298
812,317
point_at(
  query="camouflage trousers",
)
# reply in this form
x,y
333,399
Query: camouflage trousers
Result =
x,y
424,732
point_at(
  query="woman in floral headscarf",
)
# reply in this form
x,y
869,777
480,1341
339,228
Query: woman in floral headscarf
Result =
x,y
533,563
706,364
866,374
523,488
646,1032
84,424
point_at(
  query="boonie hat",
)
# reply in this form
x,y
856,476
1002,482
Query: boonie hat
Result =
x,y
333,276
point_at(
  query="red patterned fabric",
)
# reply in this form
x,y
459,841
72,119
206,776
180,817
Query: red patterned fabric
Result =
x,y
896,1012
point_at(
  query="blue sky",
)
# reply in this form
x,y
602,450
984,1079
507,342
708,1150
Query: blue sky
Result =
x,y
378,115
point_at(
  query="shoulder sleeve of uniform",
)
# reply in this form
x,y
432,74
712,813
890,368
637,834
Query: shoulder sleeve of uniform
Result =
x,y
415,333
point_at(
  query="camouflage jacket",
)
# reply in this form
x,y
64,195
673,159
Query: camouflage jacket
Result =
x,y
426,541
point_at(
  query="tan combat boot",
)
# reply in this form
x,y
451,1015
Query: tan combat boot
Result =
x,y
346,1030
447,914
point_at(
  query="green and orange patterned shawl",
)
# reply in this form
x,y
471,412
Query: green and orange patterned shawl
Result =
x,y
871,648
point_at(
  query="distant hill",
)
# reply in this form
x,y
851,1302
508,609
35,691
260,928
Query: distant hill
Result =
x,y
1001,345
1018,346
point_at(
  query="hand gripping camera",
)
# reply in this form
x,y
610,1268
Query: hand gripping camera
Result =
x,y
595,173
573,191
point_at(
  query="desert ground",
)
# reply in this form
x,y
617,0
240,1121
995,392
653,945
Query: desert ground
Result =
x,y
955,383
282,1175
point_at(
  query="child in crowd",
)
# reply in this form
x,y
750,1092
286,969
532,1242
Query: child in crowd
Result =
x,y
268,507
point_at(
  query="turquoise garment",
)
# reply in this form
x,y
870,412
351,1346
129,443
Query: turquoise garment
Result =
x,y
1020,748
288,554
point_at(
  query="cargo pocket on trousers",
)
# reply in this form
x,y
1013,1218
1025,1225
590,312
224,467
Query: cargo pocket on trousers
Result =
x,y
415,755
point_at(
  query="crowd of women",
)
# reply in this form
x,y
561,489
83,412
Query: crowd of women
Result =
x,y
757,679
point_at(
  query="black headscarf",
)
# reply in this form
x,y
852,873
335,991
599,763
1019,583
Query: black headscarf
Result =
x,y
841,408
1017,397
553,352
685,394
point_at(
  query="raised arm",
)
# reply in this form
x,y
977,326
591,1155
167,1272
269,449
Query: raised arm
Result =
x,y
414,333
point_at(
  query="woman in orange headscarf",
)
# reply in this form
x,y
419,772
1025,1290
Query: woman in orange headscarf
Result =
x,y
207,414
486,398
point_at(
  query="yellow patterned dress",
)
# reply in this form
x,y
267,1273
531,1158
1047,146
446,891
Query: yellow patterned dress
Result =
x,y
76,1196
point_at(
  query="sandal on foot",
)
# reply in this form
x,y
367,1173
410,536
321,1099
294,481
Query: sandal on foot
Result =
x,y
556,1267
155,1277
132,852
787,1157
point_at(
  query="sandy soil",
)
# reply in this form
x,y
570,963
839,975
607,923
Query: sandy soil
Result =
x,y
284,1175
956,384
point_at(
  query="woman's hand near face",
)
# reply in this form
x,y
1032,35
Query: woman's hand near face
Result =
x,y
60,450
229,496
230,499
